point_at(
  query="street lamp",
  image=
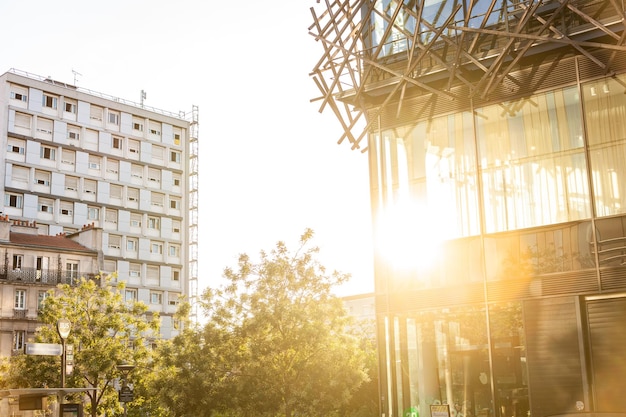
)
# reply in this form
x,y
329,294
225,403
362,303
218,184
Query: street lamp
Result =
x,y
63,328
126,393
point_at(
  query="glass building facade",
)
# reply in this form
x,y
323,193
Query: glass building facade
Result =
x,y
498,229
496,138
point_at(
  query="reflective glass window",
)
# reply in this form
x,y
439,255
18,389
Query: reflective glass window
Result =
x,y
532,160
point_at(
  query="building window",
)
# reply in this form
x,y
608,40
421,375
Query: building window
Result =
x,y
114,118
66,208
110,216
113,166
47,152
13,200
19,94
95,113
175,203
131,244
42,178
70,106
174,250
134,270
71,270
175,156
136,171
49,101
93,213
155,128
91,139
71,183
130,295
154,175
176,179
138,126
46,205
68,157
133,146
173,300
22,120
152,272
20,299
157,153
156,297
135,220
154,223
20,174
16,147
116,142
156,248
94,162
133,194
19,338
41,297
157,199
115,241
73,133
116,191
17,262
176,226
90,186
45,126
177,138
175,275
109,267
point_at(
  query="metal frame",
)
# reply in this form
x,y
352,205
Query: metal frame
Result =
x,y
357,83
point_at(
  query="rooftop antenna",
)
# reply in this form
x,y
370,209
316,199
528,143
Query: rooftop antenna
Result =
x,y
143,97
76,74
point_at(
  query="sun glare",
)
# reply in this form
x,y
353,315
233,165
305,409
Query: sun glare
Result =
x,y
409,237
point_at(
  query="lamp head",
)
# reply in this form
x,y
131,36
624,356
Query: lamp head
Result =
x,y
64,326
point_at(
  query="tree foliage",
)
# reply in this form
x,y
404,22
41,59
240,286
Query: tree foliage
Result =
x,y
106,331
276,342
294,354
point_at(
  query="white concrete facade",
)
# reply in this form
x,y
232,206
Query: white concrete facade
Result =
x,y
73,157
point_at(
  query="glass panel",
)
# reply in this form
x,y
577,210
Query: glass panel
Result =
x,y
510,375
429,175
609,178
605,111
611,237
452,356
533,162
566,248
433,13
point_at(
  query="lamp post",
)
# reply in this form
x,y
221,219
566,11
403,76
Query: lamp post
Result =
x,y
126,393
63,328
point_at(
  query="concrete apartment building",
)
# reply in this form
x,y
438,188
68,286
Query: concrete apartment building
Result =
x,y
77,162
495,135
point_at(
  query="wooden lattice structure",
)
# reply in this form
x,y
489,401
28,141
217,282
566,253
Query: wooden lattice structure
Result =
x,y
382,56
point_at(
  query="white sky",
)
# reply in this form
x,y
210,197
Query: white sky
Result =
x,y
270,165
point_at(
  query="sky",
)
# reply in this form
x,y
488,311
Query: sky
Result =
x,y
270,165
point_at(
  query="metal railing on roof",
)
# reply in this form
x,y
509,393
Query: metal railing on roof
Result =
x,y
179,115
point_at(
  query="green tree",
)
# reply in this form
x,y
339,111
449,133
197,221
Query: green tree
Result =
x,y
190,370
106,331
365,400
289,346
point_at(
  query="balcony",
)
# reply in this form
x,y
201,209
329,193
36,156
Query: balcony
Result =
x,y
47,277
20,313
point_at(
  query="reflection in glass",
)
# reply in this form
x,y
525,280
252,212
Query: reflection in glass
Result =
x,y
605,112
510,375
451,358
533,162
